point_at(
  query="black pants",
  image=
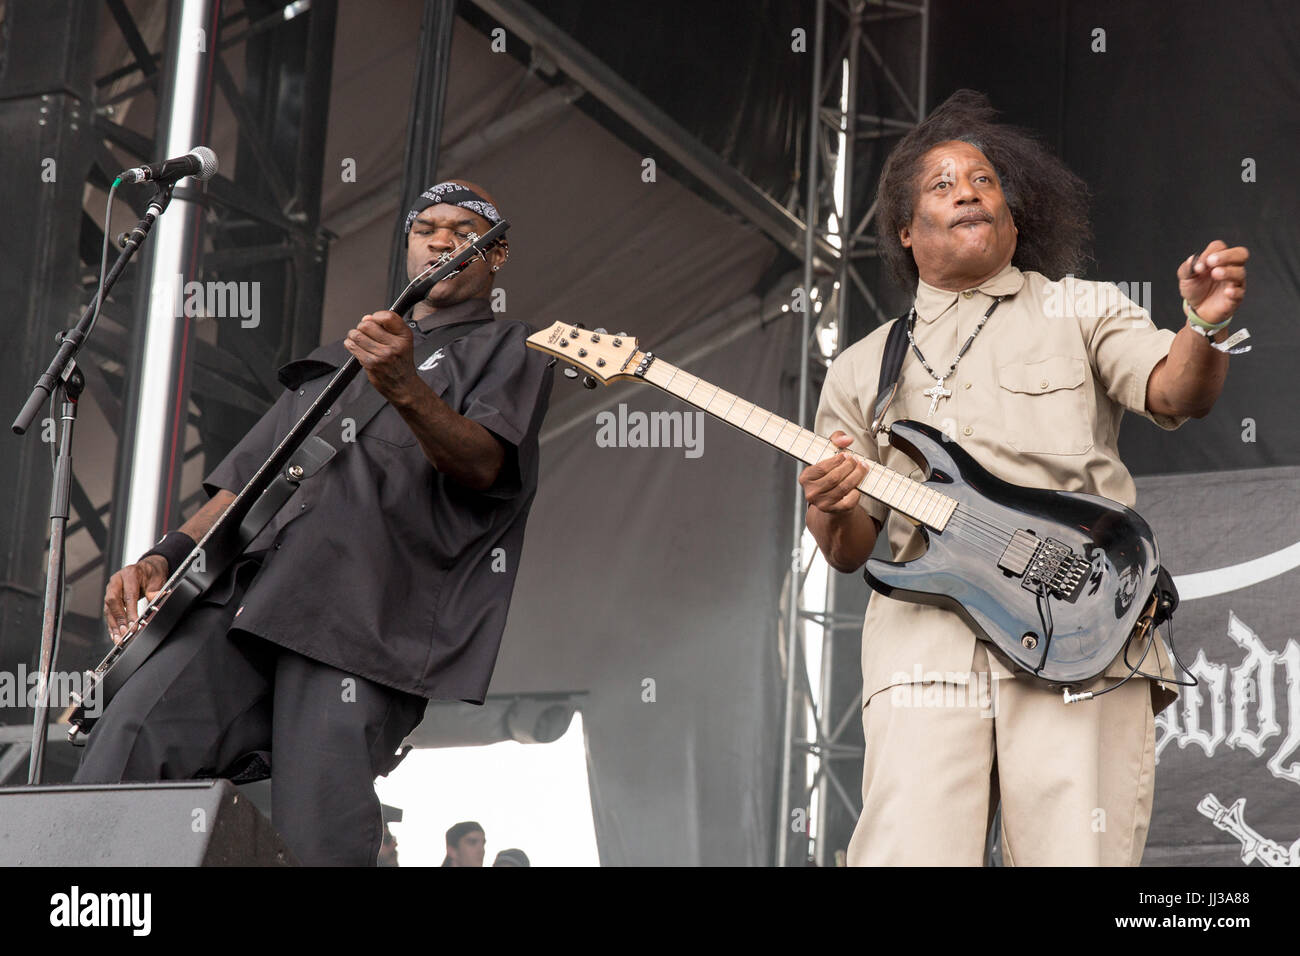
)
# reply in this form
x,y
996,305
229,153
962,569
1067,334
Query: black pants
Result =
x,y
213,701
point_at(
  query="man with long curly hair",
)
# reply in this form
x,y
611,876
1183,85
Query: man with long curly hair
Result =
x,y
1030,370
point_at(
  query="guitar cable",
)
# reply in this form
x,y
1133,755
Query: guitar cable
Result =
x,y
103,269
1135,670
1177,660
1045,620
43,689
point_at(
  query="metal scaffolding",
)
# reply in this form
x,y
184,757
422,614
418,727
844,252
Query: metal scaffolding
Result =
x,y
834,254
819,728
265,223
260,224
266,68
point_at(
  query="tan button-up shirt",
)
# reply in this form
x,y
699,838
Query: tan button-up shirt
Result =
x,y
1037,400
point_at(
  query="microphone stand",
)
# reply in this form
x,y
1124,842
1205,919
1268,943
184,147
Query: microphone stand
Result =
x,y
64,380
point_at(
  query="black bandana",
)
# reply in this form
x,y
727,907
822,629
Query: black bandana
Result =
x,y
453,194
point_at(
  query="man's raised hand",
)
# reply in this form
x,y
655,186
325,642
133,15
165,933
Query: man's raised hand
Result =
x,y
1214,282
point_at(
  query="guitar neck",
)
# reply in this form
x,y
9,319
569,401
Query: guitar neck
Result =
x,y
911,498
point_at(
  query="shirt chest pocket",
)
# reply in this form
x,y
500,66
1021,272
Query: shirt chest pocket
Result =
x,y
389,428
1045,406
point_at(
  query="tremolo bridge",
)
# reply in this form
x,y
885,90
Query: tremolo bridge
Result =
x,y
1045,561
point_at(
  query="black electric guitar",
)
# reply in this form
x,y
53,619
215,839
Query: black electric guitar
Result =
x,y
1056,581
245,517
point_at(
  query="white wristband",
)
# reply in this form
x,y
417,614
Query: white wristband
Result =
x,y
1229,345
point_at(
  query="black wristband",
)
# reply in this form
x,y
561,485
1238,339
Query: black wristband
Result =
x,y
174,548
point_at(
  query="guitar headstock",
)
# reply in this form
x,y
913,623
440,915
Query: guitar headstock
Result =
x,y
605,356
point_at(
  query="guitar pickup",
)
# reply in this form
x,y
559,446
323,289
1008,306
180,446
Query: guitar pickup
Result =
x,y
1018,553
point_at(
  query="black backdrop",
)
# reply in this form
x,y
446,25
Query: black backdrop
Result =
x,y
1158,126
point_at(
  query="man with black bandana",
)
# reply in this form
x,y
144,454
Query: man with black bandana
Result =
x,y
384,582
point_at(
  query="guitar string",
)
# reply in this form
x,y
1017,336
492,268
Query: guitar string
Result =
x,y
993,552
1003,543
978,543
991,523
975,525
978,533
995,530
978,537
982,549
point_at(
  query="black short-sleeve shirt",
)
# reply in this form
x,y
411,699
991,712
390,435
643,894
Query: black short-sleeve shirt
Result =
x,y
380,565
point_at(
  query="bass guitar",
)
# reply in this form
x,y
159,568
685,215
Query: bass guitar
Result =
x,y
293,460
1056,581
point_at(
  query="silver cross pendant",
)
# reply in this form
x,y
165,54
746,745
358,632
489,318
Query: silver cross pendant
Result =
x,y
935,393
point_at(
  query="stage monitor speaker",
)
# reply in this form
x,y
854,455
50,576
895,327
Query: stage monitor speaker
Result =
x,y
182,823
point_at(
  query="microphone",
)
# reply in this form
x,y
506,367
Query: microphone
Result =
x,y
200,162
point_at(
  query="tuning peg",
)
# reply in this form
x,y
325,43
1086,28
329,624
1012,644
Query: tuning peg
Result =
x,y
570,372
578,325
588,382
600,331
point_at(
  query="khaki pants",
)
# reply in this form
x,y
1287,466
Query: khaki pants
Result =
x,y
1076,781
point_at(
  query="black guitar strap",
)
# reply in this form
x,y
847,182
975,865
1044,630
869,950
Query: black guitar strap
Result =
x,y
1168,597
321,447
891,366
